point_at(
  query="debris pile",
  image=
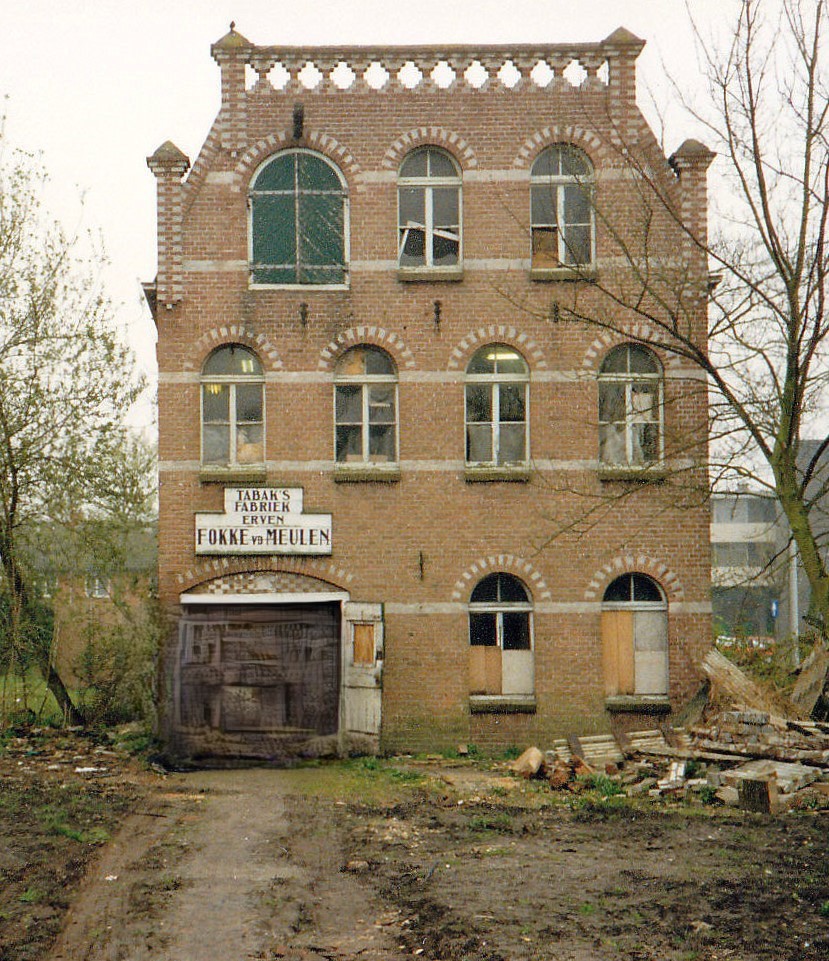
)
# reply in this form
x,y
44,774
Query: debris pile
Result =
x,y
756,752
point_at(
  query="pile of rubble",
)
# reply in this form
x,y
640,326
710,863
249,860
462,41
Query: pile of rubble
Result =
x,y
749,753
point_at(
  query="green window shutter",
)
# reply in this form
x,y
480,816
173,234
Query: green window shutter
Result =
x,y
321,241
274,239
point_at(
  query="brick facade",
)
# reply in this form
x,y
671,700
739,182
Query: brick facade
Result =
x,y
417,535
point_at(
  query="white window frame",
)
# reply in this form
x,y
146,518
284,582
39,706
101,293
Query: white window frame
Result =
x,y
495,381
560,182
499,609
232,381
427,184
258,285
633,606
364,381
630,380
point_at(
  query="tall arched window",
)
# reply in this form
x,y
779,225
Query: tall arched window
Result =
x,y
630,407
298,221
497,381
561,208
429,210
500,637
232,408
365,407
635,637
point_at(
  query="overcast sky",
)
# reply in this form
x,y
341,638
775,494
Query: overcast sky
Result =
x,y
97,85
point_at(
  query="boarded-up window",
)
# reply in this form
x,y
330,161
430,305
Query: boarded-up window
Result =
x,y
501,660
634,637
363,647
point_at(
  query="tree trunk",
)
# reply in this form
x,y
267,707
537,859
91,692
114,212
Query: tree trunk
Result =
x,y
71,714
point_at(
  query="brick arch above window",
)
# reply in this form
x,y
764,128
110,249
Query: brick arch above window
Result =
x,y
323,143
501,563
226,575
371,334
667,579
453,143
496,333
636,334
592,145
238,334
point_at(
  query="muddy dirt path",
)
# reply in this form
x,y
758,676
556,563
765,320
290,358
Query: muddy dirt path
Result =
x,y
212,870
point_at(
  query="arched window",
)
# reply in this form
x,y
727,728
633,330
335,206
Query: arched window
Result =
x,y
561,208
429,210
497,379
500,637
635,637
298,221
365,407
232,408
630,407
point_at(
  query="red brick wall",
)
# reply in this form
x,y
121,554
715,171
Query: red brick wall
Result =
x,y
564,522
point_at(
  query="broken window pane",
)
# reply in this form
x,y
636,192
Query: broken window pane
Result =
x,y
429,210
349,444
249,448
561,194
545,247
482,632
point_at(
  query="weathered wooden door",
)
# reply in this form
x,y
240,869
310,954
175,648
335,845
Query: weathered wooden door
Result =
x,y
363,668
260,668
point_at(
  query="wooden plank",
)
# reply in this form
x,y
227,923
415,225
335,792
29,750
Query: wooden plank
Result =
x,y
576,750
364,644
484,670
617,652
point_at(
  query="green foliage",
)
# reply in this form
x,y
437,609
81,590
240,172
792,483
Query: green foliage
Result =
x,y
708,794
496,821
605,785
771,662
31,895
117,668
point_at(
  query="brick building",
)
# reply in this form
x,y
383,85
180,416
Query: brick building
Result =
x,y
374,415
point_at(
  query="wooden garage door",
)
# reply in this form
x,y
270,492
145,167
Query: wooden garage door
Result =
x,y
260,668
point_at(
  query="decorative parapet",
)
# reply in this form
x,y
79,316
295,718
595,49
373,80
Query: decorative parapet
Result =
x,y
606,65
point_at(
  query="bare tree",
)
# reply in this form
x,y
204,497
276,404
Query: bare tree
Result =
x,y
765,359
65,385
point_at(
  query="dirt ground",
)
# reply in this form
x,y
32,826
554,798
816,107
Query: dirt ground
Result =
x,y
377,860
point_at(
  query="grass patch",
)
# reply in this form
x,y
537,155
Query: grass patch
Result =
x,y
498,821
32,895
368,780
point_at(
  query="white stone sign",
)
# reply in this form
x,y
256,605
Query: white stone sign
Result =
x,y
263,520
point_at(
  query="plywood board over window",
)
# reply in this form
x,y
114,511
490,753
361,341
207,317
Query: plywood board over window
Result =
x,y
363,646
634,637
